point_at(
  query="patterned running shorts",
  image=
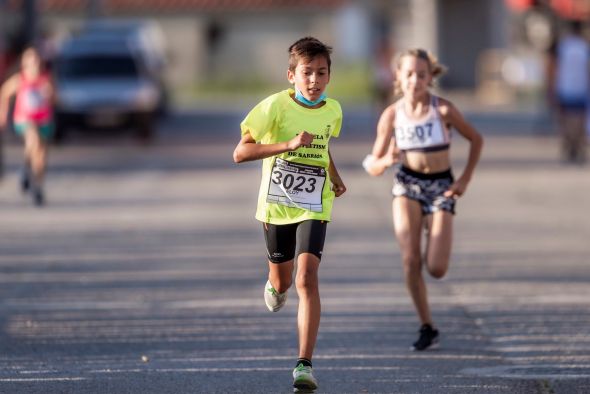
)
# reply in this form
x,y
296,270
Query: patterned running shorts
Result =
x,y
427,189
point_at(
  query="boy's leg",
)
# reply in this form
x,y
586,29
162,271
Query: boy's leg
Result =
x,y
311,235
280,245
280,275
279,281
308,320
308,315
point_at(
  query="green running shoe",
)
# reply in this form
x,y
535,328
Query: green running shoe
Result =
x,y
273,299
303,380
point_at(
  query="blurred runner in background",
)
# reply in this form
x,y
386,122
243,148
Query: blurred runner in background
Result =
x,y
33,118
415,132
570,84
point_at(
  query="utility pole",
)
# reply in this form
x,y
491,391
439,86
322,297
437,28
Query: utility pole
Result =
x,y
94,9
30,22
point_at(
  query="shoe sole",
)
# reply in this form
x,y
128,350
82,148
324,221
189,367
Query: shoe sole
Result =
x,y
304,387
300,390
275,309
433,346
38,201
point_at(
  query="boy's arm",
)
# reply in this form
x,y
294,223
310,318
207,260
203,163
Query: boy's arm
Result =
x,y
337,185
8,89
248,150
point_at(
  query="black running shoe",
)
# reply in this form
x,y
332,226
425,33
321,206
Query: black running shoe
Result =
x,y
38,197
428,338
25,182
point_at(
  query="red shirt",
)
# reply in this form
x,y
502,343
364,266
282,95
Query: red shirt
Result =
x,y
33,100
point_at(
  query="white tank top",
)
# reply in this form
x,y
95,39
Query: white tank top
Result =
x,y
426,134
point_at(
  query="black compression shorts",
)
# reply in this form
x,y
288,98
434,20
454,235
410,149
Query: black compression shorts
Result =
x,y
283,242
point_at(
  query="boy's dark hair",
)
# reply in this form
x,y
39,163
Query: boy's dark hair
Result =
x,y
308,48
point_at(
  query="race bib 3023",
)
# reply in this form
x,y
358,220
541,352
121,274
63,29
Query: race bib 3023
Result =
x,y
296,185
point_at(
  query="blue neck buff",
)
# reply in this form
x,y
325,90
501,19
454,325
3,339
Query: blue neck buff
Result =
x,y
299,97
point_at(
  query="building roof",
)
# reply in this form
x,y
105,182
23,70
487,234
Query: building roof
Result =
x,y
181,5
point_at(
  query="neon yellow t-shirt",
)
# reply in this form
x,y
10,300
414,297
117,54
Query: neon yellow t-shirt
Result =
x,y
295,185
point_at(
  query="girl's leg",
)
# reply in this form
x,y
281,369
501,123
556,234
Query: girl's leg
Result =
x,y
308,315
26,174
28,149
407,223
439,241
35,154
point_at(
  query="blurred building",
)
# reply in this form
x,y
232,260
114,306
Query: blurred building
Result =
x,y
246,40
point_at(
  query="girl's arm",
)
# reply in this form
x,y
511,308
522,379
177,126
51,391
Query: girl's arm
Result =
x,y
384,132
451,115
384,149
337,185
248,150
9,88
52,90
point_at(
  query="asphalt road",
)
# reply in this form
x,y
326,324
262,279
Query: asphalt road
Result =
x,y
144,274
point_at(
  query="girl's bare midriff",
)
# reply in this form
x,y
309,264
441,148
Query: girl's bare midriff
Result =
x,y
427,162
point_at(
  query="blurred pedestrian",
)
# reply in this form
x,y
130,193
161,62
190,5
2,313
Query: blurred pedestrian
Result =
x,y
570,84
3,67
290,131
48,43
415,132
33,113
382,74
